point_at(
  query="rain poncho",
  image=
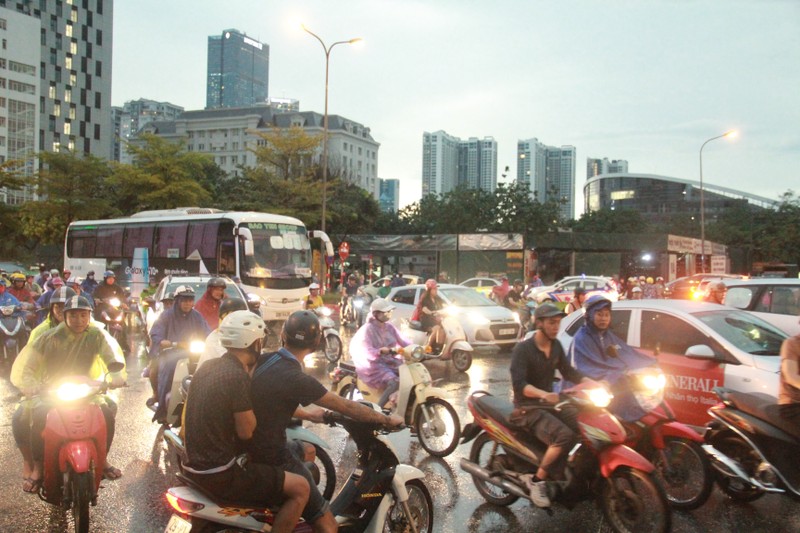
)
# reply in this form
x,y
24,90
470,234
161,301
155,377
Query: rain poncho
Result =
x,y
374,368
601,355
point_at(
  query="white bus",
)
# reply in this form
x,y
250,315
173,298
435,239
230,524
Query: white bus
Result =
x,y
271,254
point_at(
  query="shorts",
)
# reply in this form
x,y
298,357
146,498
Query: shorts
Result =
x,y
253,484
316,506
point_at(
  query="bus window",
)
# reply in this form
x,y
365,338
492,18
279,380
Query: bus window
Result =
x,y
170,241
82,242
203,238
109,242
227,258
137,237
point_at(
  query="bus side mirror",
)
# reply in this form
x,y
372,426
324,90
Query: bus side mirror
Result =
x,y
247,235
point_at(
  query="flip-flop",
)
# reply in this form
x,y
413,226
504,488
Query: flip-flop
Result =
x,y
112,473
31,485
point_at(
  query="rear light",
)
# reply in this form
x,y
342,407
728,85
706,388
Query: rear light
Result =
x,y
183,506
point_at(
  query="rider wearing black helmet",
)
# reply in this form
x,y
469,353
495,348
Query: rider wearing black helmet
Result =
x,y
278,387
108,289
208,304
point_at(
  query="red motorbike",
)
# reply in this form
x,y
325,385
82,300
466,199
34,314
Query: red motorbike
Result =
x,y
75,446
600,467
682,467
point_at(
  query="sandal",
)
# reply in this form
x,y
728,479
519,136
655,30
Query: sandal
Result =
x,y
112,473
31,485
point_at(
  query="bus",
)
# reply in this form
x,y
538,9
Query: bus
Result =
x,y
271,254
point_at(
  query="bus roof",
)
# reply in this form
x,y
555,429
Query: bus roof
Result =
x,y
192,213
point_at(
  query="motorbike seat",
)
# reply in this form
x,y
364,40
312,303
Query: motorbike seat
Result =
x,y
764,407
499,409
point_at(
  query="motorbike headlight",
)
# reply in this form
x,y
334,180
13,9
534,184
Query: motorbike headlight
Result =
x,y
324,311
358,304
650,390
7,310
478,319
69,392
114,301
197,347
452,310
599,397
415,352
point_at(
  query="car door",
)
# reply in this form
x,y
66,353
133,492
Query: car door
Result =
x,y
404,299
564,293
690,381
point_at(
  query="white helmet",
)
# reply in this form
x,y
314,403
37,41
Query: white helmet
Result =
x,y
313,286
381,304
241,329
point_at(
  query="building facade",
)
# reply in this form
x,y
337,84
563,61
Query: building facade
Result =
x,y
74,73
134,115
448,162
595,167
549,173
389,198
238,71
20,59
228,135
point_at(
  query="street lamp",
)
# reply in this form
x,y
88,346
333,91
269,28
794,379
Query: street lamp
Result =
x,y
327,50
728,133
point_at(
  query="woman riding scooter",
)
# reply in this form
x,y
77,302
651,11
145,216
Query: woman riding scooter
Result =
x,y
429,304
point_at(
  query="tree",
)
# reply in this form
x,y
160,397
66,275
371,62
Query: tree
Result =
x,y
287,153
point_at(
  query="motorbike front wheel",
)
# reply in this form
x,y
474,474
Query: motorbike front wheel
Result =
x,y
462,360
685,473
333,348
734,447
440,433
483,454
81,490
327,473
633,503
420,506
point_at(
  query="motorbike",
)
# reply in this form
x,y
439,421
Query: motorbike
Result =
x,y
419,403
456,347
355,309
752,448
109,312
75,446
380,495
13,333
184,356
600,467
331,343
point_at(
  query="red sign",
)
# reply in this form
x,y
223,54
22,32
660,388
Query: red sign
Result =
x,y
344,251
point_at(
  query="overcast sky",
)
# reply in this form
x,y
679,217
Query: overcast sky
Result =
x,y
642,80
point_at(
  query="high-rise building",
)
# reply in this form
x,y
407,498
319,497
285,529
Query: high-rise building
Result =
x,y
448,162
595,167
20,59
134,115
283,104
389,198
73,73
549,173
238,71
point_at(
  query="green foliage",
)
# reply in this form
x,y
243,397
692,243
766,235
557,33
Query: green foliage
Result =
x,y
287,153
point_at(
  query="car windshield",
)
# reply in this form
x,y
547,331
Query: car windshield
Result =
x,y
745,331
200,288
464,297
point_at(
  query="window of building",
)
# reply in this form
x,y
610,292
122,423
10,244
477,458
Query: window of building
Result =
x,y
98,69
2,101
67,128
67,95
97,100
97,132
73,48
99,38
72,111
2,24
57,109
68,30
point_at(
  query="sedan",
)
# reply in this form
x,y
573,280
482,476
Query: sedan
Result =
x,y
776,300
563,290
485,323
371,289
482,285
699,346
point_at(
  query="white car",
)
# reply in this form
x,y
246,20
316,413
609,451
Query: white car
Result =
x,y
563,290
372,288
482,285
485,323
699,346
776,300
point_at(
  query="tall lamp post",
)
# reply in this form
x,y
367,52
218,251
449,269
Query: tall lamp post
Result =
x,y
327,50
728,133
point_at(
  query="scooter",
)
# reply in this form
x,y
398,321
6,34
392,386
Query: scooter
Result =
x,y
331,342
456,347
752,448
354,309
184,356
419,403
75,446
13,333
109,312
380,495
600,467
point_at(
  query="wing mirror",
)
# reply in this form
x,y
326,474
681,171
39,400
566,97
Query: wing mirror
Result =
x,y
700,351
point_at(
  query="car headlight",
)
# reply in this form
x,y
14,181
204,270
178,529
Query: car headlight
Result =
x,y
517,319
478,319
69,392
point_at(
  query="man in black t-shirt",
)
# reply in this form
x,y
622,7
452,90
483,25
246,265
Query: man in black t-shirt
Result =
x,y
278,387
533,367
219,414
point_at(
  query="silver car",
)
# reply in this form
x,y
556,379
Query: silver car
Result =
x,y
485,323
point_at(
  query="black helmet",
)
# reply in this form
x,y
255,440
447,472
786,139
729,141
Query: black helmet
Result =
x,y
302,330
229,305
216,282
77,302
547,310
61,295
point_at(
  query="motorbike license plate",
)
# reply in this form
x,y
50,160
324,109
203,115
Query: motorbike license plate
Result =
x,y
178,525
508,331
281,314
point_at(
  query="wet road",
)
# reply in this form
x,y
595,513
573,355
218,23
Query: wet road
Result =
x,y
136,503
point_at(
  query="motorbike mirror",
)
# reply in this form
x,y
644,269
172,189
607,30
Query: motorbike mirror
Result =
x,y
115,366
700,351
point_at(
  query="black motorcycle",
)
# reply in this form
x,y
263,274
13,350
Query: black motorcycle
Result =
x,y
753,449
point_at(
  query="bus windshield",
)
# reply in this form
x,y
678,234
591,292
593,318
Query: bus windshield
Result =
x,y
280,251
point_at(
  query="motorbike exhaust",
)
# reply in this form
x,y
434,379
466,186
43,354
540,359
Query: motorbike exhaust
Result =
x,y
731,468
480,472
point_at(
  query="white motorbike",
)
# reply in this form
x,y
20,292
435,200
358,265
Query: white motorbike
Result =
x,y
13,333
421,405
456,347
187,355
380,495
331,342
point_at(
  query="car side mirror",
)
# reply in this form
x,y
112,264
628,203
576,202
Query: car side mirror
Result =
x,y
700,351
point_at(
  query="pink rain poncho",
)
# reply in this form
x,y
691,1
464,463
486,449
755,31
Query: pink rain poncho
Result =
x,y
376,369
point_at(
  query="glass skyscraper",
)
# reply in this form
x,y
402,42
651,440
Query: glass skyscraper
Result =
x,y
238,71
